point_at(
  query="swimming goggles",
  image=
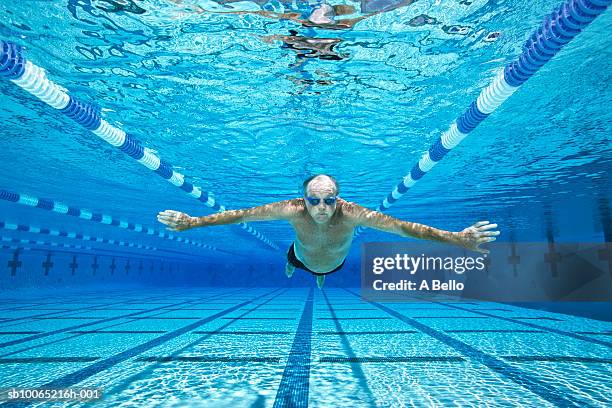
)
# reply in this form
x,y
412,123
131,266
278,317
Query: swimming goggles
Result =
x,y
315,201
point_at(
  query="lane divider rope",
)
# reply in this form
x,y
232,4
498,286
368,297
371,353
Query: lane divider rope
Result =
x,y
557,29
33,79
72,235
61,208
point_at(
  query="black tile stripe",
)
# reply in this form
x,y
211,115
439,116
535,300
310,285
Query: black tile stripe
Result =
x,y
262,318
97,304
574,335
558,359
118,389
493,331
345,333
121,322
118,331
295,383
209,359
500,367
109,319
84,373
348,350
400,359
354,318
36,360
539,327
448,317
240,333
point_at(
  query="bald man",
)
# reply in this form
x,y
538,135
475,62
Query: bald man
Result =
x,y
324,225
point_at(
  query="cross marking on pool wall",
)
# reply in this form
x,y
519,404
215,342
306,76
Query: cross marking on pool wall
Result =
x,y
487,262
47,264
552,257
605,254
127,267
15,263
152,267
514,259
74,265
94,265
113,267
140,268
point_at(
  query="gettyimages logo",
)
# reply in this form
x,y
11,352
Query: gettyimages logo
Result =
x,y
511,272
414,264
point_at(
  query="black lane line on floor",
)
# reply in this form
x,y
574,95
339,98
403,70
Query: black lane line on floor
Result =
x,y
16,319
348,350
79,326
19,332
86,372
118,331
119,323
221,333
91,308
450,359
537,326
345,333
295,383
500,367
42,308
262,318
36,360
146,372
448,317
493,331
354,318
603,333
30,303
558,359
209,359
399,359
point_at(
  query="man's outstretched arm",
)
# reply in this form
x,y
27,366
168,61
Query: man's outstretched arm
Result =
x,y
471,237
282,210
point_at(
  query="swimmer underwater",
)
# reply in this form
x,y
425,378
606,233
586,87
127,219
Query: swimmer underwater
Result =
x,y
324,224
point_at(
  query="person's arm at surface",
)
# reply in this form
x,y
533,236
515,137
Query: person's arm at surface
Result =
x,y
282,210
471,237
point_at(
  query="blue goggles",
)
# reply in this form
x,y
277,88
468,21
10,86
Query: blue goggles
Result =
x,y
315,201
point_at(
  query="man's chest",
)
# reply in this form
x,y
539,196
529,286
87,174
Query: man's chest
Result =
x,y
323,236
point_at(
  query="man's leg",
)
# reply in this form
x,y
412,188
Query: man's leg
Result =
x,y
320,281
289,269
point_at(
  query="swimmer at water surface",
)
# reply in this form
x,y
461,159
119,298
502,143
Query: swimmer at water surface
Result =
x,y
324,225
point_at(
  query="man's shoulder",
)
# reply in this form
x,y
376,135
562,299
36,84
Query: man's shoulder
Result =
x,y
350,209
295,205
355,211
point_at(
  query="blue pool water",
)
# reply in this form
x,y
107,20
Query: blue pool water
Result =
x,y
246,107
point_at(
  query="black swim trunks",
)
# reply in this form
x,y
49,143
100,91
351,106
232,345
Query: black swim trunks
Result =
x,y
293,260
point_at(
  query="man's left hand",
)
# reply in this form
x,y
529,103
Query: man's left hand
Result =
x,y
474,236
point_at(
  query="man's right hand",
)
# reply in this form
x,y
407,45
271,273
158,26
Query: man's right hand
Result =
x,y
176,220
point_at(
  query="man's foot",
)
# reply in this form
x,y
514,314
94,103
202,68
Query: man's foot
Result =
x,y
289,269
320,281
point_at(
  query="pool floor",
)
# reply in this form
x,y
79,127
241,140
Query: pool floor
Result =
x,y
298,347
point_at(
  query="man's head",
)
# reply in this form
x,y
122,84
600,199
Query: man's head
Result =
x,y
320,193
326,14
